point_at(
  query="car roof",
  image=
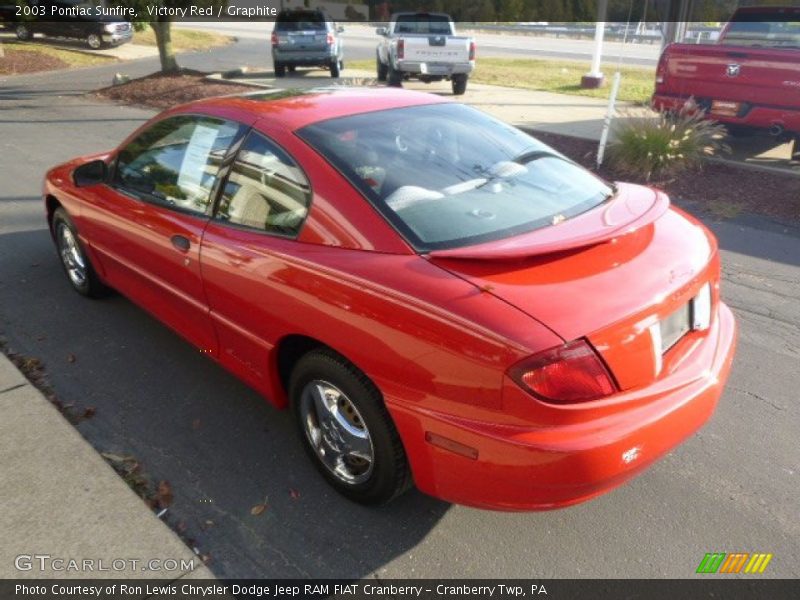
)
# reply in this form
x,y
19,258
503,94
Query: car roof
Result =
x,y
296,108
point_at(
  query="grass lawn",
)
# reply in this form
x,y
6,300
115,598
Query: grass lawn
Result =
x,y
68,57
183,39
561,77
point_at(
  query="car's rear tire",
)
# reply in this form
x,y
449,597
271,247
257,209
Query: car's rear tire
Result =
x,y
335,68
23,32
383,71
94,41
346,429
80,273
459,84
394,78
280,69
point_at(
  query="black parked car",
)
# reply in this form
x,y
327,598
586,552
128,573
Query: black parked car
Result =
x,y
74,19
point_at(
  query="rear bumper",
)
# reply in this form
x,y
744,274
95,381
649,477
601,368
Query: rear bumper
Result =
x,y
435,69
309,58
589,453
755,115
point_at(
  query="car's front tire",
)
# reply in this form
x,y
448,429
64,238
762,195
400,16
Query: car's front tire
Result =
x,y
94,41
80,273
346,429
23,32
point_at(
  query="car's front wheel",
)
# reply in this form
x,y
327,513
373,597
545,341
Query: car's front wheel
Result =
x,y
76,265
347,430
94,41
23,32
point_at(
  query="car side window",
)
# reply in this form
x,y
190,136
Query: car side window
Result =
x,y
175,162
265,190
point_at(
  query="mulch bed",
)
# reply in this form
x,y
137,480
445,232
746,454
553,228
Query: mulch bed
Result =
x,y
27,61
721,190
165,90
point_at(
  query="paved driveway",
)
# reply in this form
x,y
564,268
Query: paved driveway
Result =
x,y
732,487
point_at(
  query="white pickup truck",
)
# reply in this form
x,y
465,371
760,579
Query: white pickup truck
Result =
x,y
424,46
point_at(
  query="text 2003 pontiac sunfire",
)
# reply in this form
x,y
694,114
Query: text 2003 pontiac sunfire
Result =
x,y
438,296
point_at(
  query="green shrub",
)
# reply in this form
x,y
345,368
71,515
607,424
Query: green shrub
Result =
x,y
660,146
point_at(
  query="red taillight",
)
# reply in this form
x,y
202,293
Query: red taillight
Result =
x,y
331,41
569,373
661,69
472,49
401,48
274,39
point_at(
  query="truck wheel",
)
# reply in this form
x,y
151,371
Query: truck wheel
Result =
x,y
280,69
335,68
94,41
23,32
393,77
459,84
346,429
383,71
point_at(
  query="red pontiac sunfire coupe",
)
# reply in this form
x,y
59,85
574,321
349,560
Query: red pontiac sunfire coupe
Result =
x,y
439,297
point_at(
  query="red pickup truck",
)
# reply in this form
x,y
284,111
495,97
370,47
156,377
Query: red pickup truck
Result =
x,y
749,79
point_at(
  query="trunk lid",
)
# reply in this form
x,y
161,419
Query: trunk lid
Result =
x,y
436,48
608,275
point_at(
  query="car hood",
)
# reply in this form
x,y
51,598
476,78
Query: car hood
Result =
x,y
603,275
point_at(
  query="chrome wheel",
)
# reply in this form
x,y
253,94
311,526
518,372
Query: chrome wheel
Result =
x,y
71,256
23,33
94,41
337,432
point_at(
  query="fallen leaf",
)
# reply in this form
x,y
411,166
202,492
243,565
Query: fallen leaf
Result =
x,y
209,522
113,457
89,412
258,509
294,494
206,558
71,358
181,527
164,494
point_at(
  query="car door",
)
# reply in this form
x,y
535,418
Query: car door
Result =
x,y
247,254
145,227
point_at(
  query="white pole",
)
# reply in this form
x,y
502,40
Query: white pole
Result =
x,y
612,101
594,78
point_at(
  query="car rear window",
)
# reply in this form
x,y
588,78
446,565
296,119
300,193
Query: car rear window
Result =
x,y
300,21
760,29
423,24
448,175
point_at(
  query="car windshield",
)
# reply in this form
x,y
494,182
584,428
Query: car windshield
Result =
x,y
300,21
755,29
447,175
423,24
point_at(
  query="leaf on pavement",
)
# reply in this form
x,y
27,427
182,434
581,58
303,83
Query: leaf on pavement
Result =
x,y
294,494
89,412
258,509
164,494
71,358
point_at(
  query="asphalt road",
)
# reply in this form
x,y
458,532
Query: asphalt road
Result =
x,y
360,42
731,487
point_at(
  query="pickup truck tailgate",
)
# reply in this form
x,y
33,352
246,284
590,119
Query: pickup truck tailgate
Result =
x,y
436,48
737,74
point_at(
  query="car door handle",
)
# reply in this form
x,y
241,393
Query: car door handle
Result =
x,y
180,242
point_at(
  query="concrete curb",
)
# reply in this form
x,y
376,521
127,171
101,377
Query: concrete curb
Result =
x,y
61,499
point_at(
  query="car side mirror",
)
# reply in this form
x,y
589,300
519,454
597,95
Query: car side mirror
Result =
x,y
91,173
382,31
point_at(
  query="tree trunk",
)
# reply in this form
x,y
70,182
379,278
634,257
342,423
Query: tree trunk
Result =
x,y
162,27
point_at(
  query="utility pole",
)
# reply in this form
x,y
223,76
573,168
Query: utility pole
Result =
x,y
594,78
